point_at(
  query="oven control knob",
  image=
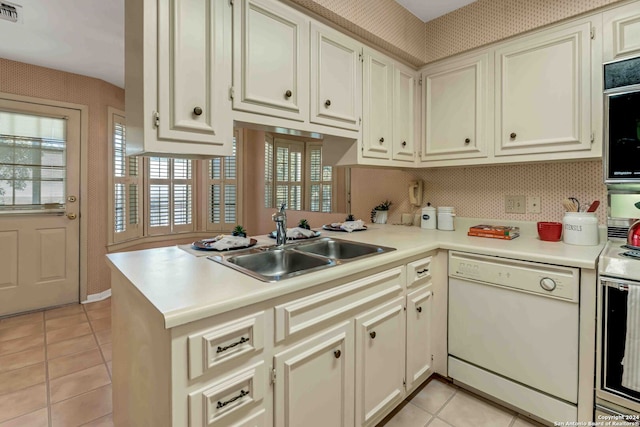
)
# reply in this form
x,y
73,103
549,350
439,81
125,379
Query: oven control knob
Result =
x,y
547,283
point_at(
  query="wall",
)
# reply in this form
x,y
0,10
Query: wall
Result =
x,y
30,80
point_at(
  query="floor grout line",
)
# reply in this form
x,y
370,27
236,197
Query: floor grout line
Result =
x,y
46,373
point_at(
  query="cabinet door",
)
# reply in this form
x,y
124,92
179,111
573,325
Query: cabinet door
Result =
x,y
404,91
336,78
314,381
543,92
380,356
621,32
455,104
419,352
194,60
270,71
377,105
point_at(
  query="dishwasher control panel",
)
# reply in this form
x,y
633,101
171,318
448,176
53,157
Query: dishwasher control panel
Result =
x,y
544,279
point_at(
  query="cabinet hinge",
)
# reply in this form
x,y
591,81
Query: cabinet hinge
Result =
x,y
361,57
273,376
156,119
592,33
432,357
593,137
231,92
420,81
404,308
404,382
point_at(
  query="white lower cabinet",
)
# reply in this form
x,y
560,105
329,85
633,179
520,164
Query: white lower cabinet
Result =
x,y
380,356
313,381
419,309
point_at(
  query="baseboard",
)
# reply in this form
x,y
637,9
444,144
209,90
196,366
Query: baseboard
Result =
x,y
97,297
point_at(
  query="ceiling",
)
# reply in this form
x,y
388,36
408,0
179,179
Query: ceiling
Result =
x,y
87,37
427,10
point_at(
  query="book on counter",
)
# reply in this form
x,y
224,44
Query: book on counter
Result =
x,y
504,232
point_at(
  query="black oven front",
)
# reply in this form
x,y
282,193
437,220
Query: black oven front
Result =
x,y
622,121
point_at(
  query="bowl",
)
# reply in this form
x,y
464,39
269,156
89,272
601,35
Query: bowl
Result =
x,y
550,231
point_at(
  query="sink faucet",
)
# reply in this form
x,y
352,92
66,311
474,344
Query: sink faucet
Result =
x,y
280,218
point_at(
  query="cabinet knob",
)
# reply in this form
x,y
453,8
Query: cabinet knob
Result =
x,y
381,140
337,354
327,103
419,309
72,215
197,111
513,135
288,94
372,334
467,140
404,143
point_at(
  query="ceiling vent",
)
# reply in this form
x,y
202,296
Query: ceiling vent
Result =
x,y
10,12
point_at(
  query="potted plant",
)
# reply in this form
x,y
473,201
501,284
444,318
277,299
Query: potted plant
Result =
x,y
239,231
304,224
350,217
379,213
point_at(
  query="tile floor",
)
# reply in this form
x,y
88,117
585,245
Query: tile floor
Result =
x,y
55,371
55,367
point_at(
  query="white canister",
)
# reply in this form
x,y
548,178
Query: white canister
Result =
x,y
445,218
428,218
580,228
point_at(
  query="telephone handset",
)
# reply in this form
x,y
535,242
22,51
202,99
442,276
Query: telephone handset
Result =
x,y
415,193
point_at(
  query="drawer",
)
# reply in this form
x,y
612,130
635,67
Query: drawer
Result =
x,y
305,313
235,340
230,401
419,272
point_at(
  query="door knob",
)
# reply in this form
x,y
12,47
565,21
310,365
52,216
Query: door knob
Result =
x,y
71,215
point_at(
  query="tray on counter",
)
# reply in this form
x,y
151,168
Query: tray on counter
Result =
x,y
203,245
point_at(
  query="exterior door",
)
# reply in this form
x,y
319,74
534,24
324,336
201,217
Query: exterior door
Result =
x,y
39,206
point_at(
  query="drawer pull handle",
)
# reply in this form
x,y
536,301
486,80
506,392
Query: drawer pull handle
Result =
x,y
467,140
197,111
227,347
288,94
513,135
372,334
242,394
419,309
337,354
421,272
327,103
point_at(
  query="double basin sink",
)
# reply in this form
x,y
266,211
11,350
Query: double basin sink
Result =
x,y
272,263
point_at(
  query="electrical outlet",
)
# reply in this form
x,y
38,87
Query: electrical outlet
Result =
x,y
533,204
515,204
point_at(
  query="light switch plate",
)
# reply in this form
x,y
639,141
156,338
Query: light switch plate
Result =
x,y
533,204
515,204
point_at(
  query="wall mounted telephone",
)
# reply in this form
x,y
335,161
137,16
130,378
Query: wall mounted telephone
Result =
x,y
415,193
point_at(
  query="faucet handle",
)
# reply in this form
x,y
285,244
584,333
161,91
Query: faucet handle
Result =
x,y
283,206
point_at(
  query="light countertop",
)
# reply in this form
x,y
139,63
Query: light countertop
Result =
x,y
184,287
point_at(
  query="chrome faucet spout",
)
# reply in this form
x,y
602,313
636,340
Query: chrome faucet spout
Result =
x,y
280,218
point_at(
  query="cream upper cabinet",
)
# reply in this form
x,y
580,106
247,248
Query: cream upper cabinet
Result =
x,y
177,73
336,78
456,106
621,32
404,117
270,70
377,126
314,381
543,92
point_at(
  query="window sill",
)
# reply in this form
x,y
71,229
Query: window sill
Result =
x,y
177,238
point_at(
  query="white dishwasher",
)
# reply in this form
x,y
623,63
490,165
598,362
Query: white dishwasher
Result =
x,y
513,332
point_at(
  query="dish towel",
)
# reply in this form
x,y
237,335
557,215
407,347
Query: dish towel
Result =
x,y
300,233
350,226
631,360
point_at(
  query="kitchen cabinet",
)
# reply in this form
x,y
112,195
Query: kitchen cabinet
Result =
x,y
377,128
314,381
404,117
270,51
380,344
456,105
621,32
543,92
336,78
177,74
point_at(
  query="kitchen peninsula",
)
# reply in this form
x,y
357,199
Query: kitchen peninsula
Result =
x,y
198,343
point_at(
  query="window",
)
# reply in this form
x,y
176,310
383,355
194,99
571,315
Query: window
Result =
x,y
295,175
179,195
32,162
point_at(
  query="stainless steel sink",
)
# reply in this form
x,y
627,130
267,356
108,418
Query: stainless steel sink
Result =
x,y
271,264
341,249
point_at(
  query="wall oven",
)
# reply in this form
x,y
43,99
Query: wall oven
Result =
x,y
622,121
618,355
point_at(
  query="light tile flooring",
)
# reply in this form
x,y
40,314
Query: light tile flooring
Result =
x,y
55,371
55,367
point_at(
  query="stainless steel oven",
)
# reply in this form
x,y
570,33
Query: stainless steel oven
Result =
x,y
622,121
618,358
